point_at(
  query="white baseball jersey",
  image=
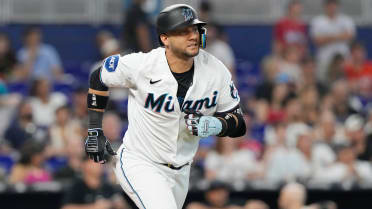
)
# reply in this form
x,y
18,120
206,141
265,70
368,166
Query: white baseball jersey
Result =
x,y
157,128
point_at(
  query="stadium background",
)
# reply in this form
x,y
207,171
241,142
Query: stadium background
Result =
x,y
71,27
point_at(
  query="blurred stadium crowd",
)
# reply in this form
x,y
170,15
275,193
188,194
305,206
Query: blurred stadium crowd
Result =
x,y
309,118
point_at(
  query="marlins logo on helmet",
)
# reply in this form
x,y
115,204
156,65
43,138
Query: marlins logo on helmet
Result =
x,y
187,13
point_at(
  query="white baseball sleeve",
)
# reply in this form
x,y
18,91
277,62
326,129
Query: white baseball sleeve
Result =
x,y
120,71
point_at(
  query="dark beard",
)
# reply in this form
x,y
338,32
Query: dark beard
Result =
x,y
190,55
184,54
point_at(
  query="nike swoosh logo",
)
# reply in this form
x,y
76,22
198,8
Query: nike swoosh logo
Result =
x,y
152,82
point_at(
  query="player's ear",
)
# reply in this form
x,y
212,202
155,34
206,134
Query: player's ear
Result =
x,y
164,39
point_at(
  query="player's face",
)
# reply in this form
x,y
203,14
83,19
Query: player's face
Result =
x,y
185,41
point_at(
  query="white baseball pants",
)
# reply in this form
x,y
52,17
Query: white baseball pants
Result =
x,y
151,185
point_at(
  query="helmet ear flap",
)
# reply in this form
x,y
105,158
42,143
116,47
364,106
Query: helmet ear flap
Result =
x,y
203,37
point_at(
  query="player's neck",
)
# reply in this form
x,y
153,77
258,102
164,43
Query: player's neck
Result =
x,y
177,64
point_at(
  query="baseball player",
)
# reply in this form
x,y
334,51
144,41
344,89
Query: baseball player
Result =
x,y
178,93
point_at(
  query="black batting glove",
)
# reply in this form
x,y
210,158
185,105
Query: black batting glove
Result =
x,y
192,118
96,145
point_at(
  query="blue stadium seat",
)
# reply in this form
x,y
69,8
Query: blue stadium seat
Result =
x,y
55,163
6,162
122,105
248,77
22,88
64,88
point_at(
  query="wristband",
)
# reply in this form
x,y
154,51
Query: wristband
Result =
x,y
95,119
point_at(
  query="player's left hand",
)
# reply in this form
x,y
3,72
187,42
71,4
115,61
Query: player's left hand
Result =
x,y
200,125
96,145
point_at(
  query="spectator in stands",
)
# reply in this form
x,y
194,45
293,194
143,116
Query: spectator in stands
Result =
x,y
75,153
280,94
331,34
259,120
79,104
308,68
323,153
136,34
205,9
44,103
290,31
367,154
255,204
110,47
295,120
6,63
22,127
358,68
335,69
293,196
217,196
340,100
293,111
288,163
62,131
368,124
226,158
29,169
112,126
290,65
270,70
309,99
107,45
39,60
219,48
103,37
92,191
304,149
356,137
275,137
9,67
347,171
9,72
271,61
8,105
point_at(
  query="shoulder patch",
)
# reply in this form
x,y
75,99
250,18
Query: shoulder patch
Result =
x,y
111,63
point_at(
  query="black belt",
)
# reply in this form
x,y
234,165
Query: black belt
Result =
x,y
173,167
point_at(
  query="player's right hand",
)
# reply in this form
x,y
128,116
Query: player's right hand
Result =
x,y
96,145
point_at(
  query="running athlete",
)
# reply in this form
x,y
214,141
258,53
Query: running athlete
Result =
x,y
178,94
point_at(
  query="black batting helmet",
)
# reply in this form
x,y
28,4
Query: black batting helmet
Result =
x,y
178,16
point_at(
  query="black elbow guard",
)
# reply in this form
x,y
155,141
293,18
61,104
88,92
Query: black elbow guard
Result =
x,y
95,81
95,101
241,128
232,127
